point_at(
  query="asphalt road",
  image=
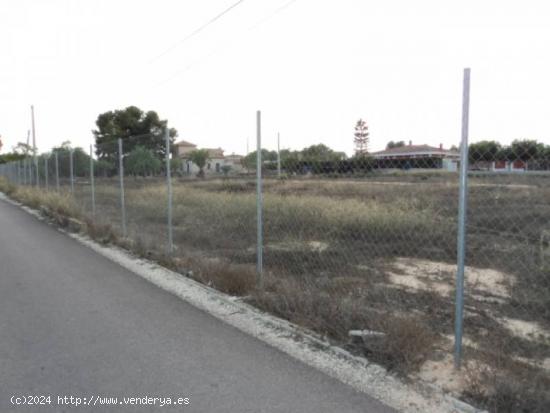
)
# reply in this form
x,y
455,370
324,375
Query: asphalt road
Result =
x,y
73,323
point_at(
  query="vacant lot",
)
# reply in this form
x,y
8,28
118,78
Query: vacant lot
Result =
x,y
374,254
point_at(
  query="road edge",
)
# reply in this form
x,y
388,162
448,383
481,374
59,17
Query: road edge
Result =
x,y
303,345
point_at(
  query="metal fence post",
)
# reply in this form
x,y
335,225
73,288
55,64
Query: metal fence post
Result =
x,y
29,170
71,168
121,175
56,171
259,223
169,189
46,172
92,183
278,155
37,171
462,210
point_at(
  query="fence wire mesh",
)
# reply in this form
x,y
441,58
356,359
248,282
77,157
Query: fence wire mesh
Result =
x,y
364,244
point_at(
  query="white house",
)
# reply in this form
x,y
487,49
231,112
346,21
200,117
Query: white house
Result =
x,y
418,156
215,163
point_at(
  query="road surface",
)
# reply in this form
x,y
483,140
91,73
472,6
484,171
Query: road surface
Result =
x,y
73,323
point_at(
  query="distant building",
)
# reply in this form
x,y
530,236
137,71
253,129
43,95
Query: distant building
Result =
x,y
215,163
183,148
499,166
417,156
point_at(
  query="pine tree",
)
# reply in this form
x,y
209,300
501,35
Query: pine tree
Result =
x,y
361,138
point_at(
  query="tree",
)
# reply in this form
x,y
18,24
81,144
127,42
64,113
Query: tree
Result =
x,y
104,167
135,127
290,160
269,157
199,158
484,151
142,162
320,153
226,169
392,144
176,165
81,160
11,157
361,137
525,150
23,149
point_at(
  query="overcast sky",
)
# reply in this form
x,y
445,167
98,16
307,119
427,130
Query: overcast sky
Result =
x,y
313,68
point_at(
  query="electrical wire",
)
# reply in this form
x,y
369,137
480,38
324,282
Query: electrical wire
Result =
x,y
197,31
215,51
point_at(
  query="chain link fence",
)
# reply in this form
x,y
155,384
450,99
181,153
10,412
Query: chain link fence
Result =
x,y
361,250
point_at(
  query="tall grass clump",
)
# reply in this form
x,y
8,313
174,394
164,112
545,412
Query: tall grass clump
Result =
x,y
61,204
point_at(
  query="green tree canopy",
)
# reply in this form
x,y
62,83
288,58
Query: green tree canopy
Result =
x,y
135,127
11,157
81,160
176,165
249,161
397,144
320,153
526,150
484,151
361,137
23,149
104,167
142,162
290,160
199,158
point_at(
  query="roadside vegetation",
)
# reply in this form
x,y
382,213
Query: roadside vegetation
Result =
x,y
377,255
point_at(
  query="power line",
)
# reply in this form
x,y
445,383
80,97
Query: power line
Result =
x,y
215,51
272,14
198,30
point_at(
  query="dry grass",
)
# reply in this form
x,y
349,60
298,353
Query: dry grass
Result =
x,y
59,205
330,246
233,279
333,310
504,386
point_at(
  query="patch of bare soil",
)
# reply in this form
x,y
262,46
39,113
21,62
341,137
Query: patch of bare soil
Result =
x,y
418,274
